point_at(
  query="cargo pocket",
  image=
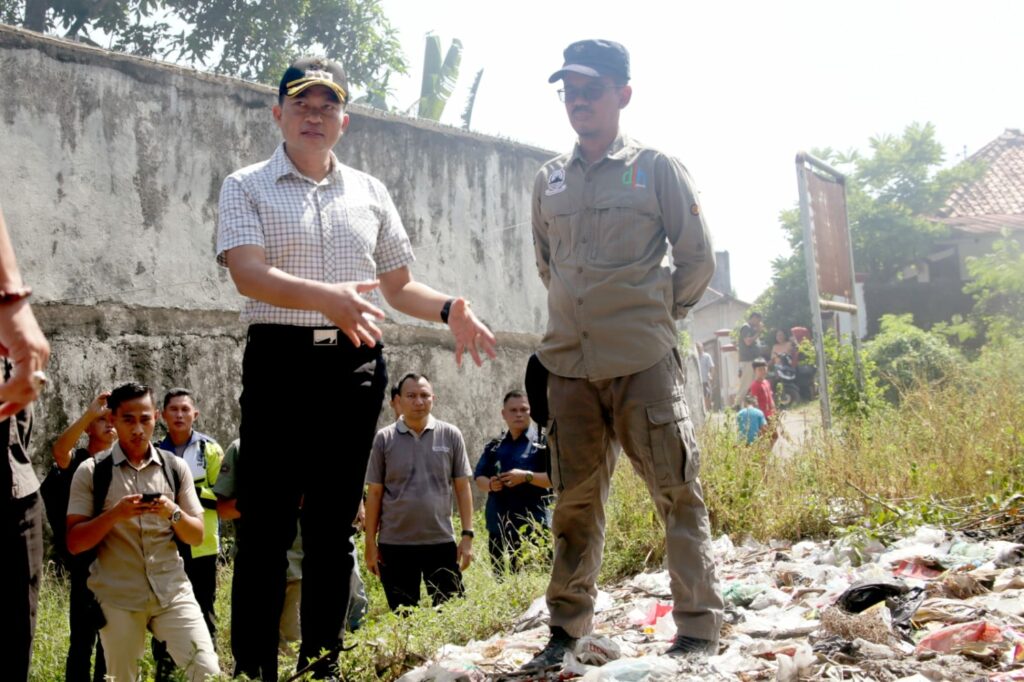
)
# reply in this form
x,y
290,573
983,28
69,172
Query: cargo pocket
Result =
x,y
673,445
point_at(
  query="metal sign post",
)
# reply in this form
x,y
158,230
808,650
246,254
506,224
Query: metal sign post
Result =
x,y
825,221
812,287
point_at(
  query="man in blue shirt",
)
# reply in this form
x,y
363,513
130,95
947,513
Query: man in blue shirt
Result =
x,y
513,471
750,419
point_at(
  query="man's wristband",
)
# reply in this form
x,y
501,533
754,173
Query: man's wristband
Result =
x,y
14,295
468,534
446,310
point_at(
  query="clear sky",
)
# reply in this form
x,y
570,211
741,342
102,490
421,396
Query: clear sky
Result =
x,y
735,89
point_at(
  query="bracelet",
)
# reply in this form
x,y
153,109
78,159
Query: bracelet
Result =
x,y
446,309
468,534
15,295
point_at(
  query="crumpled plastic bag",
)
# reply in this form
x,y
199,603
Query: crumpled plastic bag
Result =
x,y
742,594
975,636
596,650
792,668
643,669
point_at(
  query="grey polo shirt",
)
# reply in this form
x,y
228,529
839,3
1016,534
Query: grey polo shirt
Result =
x,y
138,556
417,472
601,233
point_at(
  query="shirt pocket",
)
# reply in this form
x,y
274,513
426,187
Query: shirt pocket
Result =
x,y
626,228
560,214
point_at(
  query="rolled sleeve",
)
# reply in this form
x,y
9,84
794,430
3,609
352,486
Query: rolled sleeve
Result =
x,y
394,250
80,502
224,486
485,465
693,256
238,220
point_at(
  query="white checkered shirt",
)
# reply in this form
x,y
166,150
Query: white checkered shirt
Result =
x,y
344,228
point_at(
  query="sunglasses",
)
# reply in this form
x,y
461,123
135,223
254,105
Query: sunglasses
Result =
x,y
590,93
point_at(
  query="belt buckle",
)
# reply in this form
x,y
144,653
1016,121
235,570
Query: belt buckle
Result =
x,y
325,337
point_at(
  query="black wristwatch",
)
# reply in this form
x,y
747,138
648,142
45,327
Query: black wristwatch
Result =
x,y
468,534
446,310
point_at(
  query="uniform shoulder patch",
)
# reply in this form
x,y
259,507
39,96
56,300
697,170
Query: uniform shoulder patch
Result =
x,y
556,182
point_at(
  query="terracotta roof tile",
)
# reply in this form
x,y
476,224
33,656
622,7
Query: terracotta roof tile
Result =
x,y
996,199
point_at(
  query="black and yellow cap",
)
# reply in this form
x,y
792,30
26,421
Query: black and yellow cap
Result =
x,y
306,72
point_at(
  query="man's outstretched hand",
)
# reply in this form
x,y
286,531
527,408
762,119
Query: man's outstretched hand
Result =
x,y
470,333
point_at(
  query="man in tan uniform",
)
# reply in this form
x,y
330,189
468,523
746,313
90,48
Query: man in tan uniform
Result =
x,y
603,217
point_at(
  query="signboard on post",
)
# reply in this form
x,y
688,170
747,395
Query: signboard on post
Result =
x,y
829,256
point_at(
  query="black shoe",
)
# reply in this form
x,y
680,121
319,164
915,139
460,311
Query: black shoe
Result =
x,y
554,653
691,647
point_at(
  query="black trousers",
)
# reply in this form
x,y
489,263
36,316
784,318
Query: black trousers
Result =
x,y
84,633
402,567
202,573
309,414
21,552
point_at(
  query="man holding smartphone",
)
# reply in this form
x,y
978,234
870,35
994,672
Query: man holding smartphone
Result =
x,y
130,506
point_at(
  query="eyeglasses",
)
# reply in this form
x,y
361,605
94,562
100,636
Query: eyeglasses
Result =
x,y
590,93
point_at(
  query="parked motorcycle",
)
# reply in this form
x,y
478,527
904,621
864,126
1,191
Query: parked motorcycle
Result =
x,y
784,378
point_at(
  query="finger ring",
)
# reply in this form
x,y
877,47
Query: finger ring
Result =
x,y
38,379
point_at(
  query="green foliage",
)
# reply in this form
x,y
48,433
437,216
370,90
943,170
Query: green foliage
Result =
x,y
467,113
852,392
906,356
998,289
439,77
250,39
888,195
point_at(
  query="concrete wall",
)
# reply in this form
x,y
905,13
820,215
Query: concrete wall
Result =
x,y
110,170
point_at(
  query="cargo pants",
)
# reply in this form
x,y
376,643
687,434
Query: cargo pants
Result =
x,y
646,414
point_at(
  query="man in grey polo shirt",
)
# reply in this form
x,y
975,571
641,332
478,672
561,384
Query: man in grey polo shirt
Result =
x,y
415,465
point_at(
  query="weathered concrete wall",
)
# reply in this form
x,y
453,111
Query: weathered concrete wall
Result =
x,y
112,166
110,171
96,347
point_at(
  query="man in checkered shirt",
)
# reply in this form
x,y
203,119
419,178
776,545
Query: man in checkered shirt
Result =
x,y
311,244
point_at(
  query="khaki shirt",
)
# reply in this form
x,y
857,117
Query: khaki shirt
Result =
x,y
601,234
138,557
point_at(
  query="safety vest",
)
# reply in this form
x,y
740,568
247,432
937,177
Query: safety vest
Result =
x,y
204,457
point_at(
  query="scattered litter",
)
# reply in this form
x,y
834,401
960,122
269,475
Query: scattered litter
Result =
x,y
845,610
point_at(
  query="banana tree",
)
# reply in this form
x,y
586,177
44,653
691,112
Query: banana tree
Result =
x,y
439,77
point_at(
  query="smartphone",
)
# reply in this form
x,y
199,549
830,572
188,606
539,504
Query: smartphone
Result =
x,y
149,498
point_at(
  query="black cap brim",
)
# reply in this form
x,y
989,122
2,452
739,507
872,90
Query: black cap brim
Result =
x,y
575,68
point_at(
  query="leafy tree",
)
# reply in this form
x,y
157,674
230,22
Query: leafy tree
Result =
x,y
889,196
906,355
250,39
997,285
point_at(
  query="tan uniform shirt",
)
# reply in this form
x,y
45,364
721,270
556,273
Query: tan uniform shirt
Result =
x,y
138,556
601,234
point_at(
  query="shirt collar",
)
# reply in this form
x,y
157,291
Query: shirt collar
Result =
x,y
168,444
281,165
530,434
402,427
617,150
120,458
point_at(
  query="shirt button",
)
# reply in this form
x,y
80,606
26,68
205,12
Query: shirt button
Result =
x,y
579,301
579,270
585,335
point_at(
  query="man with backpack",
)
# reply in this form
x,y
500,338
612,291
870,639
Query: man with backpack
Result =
x,y
130,506
96,424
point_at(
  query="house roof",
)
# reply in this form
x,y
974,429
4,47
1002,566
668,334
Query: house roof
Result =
x,y
996,199
713,296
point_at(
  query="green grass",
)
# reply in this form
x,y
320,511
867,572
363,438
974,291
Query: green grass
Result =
x,y
946,453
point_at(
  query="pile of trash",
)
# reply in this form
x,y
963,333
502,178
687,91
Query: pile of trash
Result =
x,y
932,606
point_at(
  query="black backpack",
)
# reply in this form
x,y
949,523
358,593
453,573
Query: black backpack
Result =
x,y
56,491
